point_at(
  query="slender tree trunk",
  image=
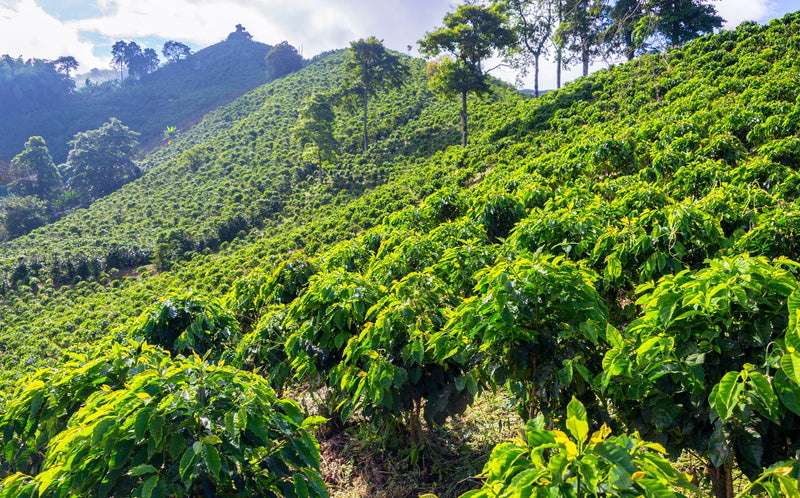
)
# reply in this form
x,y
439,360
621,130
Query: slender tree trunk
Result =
x,y
536,76
630,49
463,119
721,481
558,67
585,57
558,49
365,123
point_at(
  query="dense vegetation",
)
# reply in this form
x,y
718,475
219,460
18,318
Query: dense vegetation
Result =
x,y
38,100
620,255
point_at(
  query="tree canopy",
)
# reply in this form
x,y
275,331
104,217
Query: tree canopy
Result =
x,y
66,64
174,51
283,59
101,161
315,126
130,56
683,20
584,22
470,34
371,69
31,84
33,172
533,23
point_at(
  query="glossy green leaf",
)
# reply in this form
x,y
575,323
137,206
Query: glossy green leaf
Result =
x,y
212,459
141,469
790,364
727,394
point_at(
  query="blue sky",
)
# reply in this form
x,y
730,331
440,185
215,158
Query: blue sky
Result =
x,y
86,29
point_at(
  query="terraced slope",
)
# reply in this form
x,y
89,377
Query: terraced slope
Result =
x,y
628,242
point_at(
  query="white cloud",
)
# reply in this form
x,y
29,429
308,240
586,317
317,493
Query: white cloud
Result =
x,y
313,25
29,31
736,12
316,25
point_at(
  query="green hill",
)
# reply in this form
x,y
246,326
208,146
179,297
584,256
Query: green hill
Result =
x,y
177,94
628,242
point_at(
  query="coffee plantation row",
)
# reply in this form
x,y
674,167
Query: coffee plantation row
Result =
x,y
620,255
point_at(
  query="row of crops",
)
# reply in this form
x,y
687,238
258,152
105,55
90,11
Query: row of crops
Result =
x,y
620,255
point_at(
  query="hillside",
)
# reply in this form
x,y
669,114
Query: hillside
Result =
x,y
617,256
177,94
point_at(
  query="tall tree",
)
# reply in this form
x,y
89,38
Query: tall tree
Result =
x,y
532,22
470,35
682,20
149,61
33,172
558,38
118,57
371,68
283,59
315,126
174,51
101,161
624,16
583,23
65,64
130,56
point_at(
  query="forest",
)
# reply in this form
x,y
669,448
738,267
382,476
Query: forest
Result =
x,y
39,98
379,275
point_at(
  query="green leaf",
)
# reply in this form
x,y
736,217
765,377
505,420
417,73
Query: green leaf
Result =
x,y
793,303
141,469
761,390
418,350
613,267
300,486
149,486
655,488
211,439
187,465
578,428
576,421
648,345
538,437
718,448
507,316
140,425
576,409
727,394
615,454
156,426
788,487
668,307
788,391
212,459
176,445
662,412
100,429
472,385
790,364
306,447
313,421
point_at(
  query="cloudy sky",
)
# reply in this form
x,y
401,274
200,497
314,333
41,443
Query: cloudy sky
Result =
x,y
86,29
